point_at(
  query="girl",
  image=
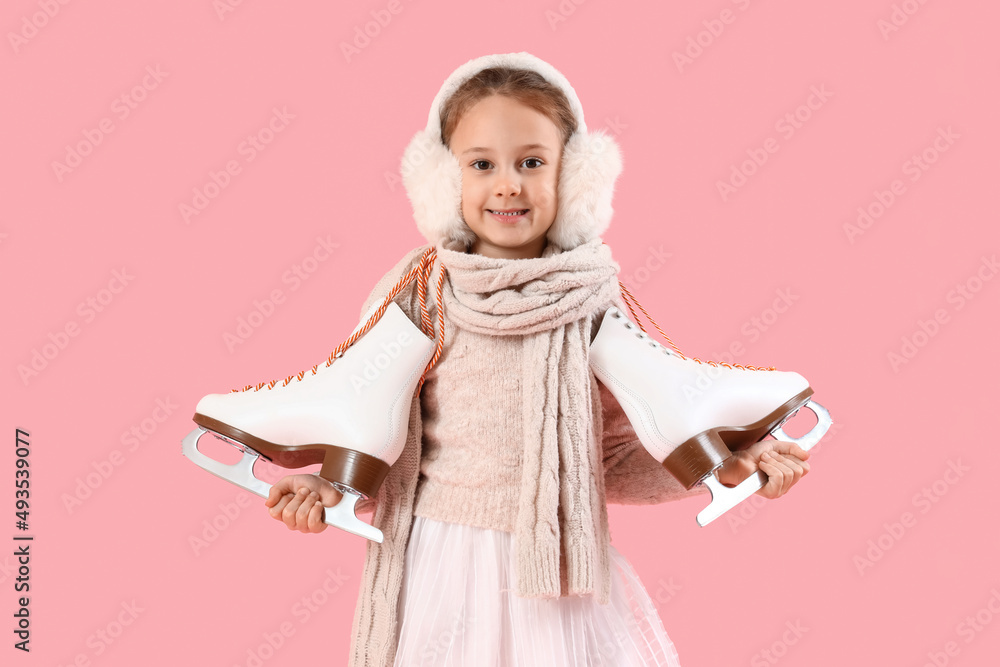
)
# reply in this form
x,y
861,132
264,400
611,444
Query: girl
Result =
x,y
496,544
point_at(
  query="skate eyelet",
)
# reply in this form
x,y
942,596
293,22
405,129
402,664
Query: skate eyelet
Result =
x,y
628,325
617,315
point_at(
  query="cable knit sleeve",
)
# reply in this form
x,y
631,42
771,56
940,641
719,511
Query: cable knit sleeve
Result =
x,y
631,475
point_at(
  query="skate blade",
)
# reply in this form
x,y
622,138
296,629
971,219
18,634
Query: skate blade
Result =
x,y
725,498
241,474
809,440
342,516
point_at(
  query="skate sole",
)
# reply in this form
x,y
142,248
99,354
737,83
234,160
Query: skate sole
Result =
x,y
355,470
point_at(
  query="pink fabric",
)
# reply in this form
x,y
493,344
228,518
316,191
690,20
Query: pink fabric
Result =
x,y
458,608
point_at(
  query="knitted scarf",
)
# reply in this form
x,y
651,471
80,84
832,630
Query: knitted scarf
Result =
x,y
549,301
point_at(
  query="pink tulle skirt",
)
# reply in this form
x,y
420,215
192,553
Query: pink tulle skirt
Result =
x,y
457,607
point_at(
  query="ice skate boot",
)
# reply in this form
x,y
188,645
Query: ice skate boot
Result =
x,y
350,414
691,415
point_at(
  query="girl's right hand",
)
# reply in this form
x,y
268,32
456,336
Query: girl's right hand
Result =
x,y
298,501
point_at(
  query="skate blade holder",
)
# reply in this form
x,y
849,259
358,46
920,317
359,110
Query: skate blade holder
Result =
x,y
725,498
341,516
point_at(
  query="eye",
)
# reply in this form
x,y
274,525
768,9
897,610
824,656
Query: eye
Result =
x,y
533,159
486,162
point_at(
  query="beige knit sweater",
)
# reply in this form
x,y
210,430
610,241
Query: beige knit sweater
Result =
x,y
466,466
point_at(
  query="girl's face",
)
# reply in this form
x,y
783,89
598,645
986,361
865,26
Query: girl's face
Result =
x,y
510,156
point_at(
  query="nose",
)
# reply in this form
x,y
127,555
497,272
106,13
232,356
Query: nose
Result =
x,y
508,183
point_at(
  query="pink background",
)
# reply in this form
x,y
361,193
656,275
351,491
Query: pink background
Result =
x,y
726,593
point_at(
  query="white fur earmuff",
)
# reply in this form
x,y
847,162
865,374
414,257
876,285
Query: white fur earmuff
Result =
x,y
591,162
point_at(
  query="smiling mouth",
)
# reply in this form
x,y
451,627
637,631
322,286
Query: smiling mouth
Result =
x,y
509,214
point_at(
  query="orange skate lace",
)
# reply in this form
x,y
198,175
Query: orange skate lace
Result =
x,y
625,292
421,272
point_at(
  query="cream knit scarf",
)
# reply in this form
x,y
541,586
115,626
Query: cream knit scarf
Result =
x,y
548,300
561,530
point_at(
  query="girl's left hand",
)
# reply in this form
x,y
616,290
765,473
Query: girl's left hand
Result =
x,y
784,463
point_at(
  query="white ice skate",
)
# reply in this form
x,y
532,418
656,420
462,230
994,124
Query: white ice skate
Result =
x,y
349,413
689,415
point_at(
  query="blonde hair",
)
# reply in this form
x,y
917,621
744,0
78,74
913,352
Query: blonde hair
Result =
x,y
525,86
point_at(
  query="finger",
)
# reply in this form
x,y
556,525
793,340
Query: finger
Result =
x,y
775,486
284,485
791,448
797,464
790,469
315,520
292,508
302,514
787,474
766,467
280,505
287,485
273,496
